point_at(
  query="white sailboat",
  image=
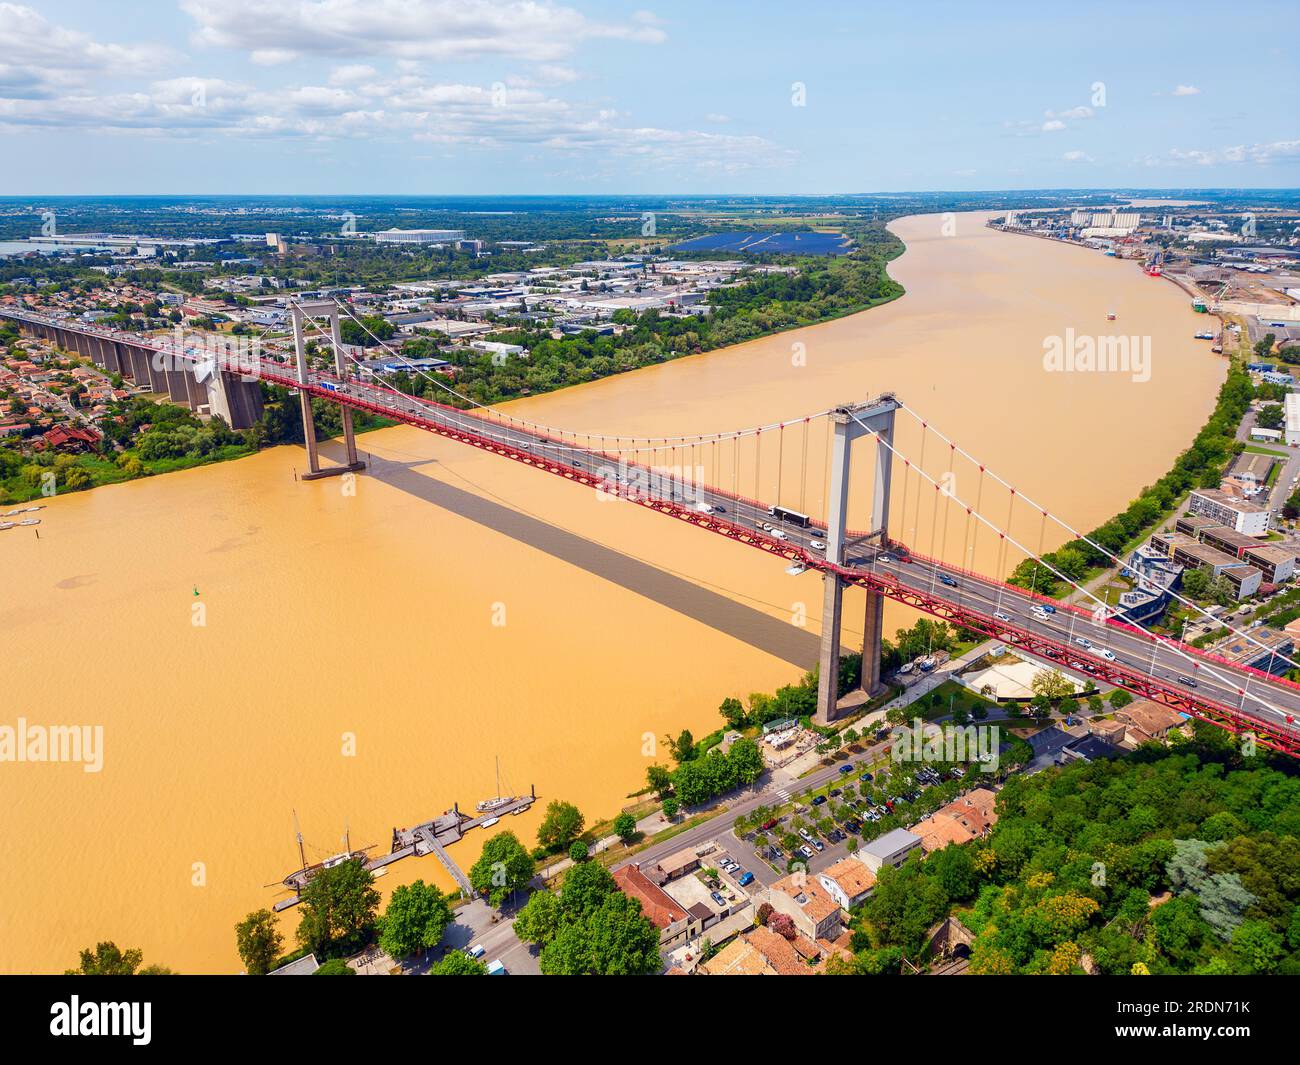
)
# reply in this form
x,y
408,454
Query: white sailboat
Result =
x,y
498,800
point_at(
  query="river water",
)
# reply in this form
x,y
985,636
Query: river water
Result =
x,y
363,658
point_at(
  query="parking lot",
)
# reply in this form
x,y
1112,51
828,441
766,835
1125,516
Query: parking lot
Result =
x,y
819,849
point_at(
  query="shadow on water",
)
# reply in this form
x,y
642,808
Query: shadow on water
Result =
x,y
779,638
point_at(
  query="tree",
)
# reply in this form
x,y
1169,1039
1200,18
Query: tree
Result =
x,y
660,779
335,967
625,827
416,917
614,939
338,909
578,851
683,747
539,919
562,824
503,868
107,959
732,712
458,963
1052,685
584,887
1196,582
670,807
258,940
1270,416
1119,699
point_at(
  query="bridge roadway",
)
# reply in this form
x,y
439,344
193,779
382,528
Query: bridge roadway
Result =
x,y
1186,679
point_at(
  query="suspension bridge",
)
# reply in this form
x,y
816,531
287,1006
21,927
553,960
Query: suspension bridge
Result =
x,y
685,478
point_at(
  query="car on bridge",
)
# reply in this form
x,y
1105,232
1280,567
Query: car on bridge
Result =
x,y
945,579
1001,616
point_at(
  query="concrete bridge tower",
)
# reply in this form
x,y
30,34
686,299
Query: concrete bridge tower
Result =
x,y
300,313
875,417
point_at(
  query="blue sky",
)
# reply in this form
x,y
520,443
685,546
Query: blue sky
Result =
x,y
480,96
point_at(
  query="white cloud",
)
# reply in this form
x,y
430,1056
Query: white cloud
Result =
x,y
1073,112
535,30
1187,90
1262,154
717,118
1052,125
405,106
351,73
45,60
1077,156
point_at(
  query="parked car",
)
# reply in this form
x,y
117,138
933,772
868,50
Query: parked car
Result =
x,y
804,853
853,825
477,950
768,825
818,844
717,898
819,800
835,793
745,879
866,776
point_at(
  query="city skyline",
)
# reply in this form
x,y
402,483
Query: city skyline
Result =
x,y
431,97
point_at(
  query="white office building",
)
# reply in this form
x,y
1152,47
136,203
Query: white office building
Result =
x,y
419,236
1293,418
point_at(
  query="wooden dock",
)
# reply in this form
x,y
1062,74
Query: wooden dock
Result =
x,y
433,837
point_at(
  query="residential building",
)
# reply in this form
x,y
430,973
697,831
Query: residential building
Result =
x,y
1193,554
966,818
892,848
806,902
1144,721
675,866
848,882
762,952
1276,563
661,909
1248,518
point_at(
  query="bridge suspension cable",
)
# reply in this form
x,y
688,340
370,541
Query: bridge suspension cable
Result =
x,y
1241,633
547,429
1156,638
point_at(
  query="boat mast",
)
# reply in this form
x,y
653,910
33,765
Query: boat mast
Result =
x,y
297,831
